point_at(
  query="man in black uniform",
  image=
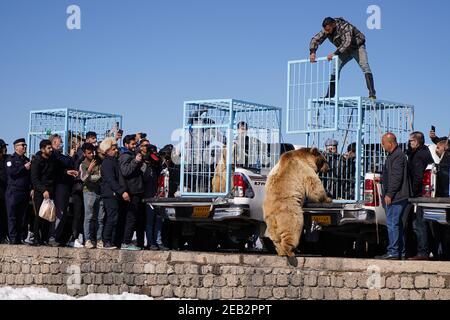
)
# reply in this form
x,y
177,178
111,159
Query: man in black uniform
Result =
x,y
3,216
18,190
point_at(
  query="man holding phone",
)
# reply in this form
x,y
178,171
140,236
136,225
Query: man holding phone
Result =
x,y
434,138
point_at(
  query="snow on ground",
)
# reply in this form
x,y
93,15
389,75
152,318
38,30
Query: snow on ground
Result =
x,y
32,293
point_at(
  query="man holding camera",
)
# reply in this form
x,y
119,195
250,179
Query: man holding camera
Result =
x,y
151,170
130,164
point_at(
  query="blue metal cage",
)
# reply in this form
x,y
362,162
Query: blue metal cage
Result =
x,y
213,145
71,124
354,125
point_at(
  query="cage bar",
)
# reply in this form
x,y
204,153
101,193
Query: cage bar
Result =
x,y
213,147
71,124
355,123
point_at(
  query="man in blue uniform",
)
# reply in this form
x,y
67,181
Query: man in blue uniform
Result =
x,y
18,190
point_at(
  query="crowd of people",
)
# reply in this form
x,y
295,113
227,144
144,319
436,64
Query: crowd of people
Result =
x,y
97,191
401,180
99,187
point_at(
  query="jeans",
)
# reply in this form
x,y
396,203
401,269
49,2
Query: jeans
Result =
x,y
153,227
359,55
394,214
111,217
93,216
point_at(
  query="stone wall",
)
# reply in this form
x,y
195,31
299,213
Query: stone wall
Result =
x,y
219,276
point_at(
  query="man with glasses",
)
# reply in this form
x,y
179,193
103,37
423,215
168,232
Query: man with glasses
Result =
x,y
419,158
18,190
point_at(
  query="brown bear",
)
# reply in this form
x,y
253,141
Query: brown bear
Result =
x,y
219,181
290,181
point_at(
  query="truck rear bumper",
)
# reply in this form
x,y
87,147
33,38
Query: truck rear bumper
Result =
x,y
434,209
219,214
338,214
183,209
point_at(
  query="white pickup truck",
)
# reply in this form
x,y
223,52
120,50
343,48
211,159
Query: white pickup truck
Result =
x,y
359,229
347,229
235,221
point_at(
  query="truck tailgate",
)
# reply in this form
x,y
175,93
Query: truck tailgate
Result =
x,y
181,202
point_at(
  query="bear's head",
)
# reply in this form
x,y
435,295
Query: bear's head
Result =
x,y
320,160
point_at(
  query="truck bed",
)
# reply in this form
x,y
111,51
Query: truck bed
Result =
x,y
430,200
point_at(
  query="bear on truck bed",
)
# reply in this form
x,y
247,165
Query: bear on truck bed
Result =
x,y
290,182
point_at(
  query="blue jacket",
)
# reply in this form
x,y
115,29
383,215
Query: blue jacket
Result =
x,y
17,176
112,186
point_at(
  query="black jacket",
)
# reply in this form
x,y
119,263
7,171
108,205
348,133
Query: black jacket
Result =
x,y
111,179
63,163
42,174
443,177
3,178
18,177
151,175
131,173
395,176
418,161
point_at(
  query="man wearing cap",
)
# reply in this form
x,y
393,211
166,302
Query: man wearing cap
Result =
x,y
3,216
18,190
112,191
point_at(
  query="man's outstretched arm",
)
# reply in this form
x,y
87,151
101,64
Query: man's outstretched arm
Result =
x,y
316,41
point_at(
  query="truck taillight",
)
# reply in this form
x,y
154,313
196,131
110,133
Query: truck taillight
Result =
x,y
241,186
371,193
427,187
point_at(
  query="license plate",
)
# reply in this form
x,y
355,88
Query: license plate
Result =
x,y
323,220
201,212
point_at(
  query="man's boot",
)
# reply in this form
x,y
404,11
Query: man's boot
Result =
x,y
332,88
370,86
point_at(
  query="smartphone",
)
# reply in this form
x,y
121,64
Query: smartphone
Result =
x,y
433,128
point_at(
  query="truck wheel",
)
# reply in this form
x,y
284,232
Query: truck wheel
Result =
x,y
172,235
204,240
227,243
333,246
268,245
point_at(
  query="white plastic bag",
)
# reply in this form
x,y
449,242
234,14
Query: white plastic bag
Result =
x,y
48,210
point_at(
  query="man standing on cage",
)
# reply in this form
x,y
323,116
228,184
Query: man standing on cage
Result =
x,y
350,43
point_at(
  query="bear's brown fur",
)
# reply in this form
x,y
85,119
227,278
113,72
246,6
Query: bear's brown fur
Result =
x,y
290,181
219,181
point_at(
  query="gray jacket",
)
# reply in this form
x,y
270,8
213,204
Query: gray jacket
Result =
x,y
395,176
346,37
131,173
